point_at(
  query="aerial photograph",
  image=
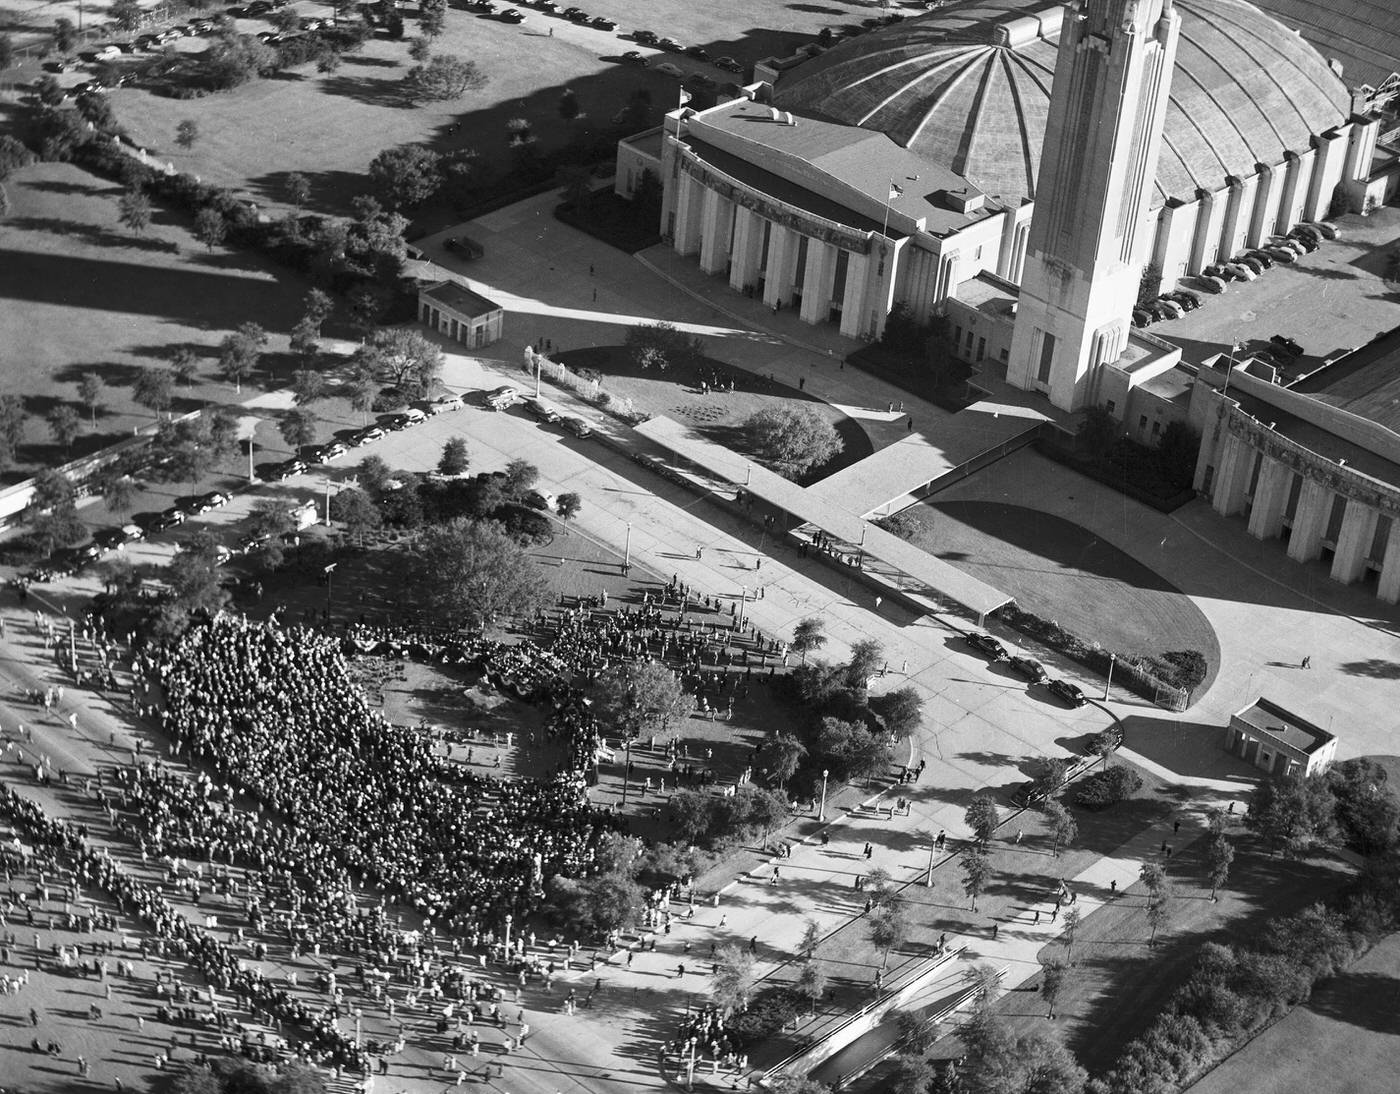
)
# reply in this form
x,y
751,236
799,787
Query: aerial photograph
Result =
x,y
799,546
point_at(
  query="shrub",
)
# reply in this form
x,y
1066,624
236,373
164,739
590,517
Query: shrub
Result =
x,y
525,524
1108,787
770,1010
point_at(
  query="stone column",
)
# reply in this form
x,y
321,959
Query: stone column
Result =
x,y
689,209
817,284
748,248
1270,499
1353,541
714,237
1231,475
1389,587
782,260
1310,521
853,318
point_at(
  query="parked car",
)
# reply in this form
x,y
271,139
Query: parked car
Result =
x,y
465,246
1159,310
1210,283
445,402
1175,310
167,518
632,57
701,82
602,22
365,436
646,37
1246,269
729,64
1066,692
1281,254
574,13
537,408
670,45
1186,298
578,427
285,470
503,398
1288,244
666,68
214,499
1327,228
1028,668
1141,317
988,646
700,53
1286,345
1261,256
109,539
512,15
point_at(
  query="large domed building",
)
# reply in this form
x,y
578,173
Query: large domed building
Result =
x,y
902,166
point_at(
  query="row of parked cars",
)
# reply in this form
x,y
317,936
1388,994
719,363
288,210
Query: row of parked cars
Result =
x,y
1029,669
503,398
1301,240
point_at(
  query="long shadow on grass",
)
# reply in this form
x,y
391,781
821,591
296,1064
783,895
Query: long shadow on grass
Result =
x,y
1369,1000
369,90
94,234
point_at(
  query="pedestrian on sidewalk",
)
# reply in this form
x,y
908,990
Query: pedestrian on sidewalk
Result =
x,y
995,928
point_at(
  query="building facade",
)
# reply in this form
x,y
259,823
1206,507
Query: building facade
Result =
x,y
455,311
1279,742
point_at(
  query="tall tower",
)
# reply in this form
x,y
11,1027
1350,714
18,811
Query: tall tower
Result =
x,y
1089,234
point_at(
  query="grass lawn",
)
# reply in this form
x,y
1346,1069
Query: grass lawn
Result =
x,y
329,127
719,415
1061,571
1346,1038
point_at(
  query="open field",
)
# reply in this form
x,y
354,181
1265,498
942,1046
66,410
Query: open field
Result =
x,y
1061,571
329,127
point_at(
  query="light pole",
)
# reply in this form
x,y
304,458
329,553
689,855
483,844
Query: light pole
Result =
x,y
538,369
821,815
251,477
626,769
928,879
627,549
748,473
508,919
1112,659
358,1015
330,569
743,604
328,502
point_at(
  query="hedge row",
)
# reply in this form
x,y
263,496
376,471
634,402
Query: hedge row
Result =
x,y
1235,991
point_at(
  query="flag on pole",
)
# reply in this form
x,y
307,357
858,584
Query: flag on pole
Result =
x,y
895,189
685,96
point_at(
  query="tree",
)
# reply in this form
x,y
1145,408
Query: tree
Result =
x,y
90,388
210,228
1367,811
297,190
271,517
793,439
317,308
662,346
374,475
304,341
183,363
901,711
443,78
1052,979
187,132
568,105
1072,919
431,16
632,699
355,511
982,817
48,91
473,571
889,928
233,59
732,982
1177,451
64,425
1159,915
1159,897
308,386
783,753
65,35
1098,432
154,389
287,21
12,420
1063,827
811,984
807,636
420,49
406,176
520,477
328,61
977,871
811,939
134,210
52,513
1292,815
1220,854
7,54
567,507
454,457
911,1074
408,355
240,352
4,202
95,109
298,427
866,656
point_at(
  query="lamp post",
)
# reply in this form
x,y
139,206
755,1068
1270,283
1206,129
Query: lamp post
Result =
x,y
743,604
928,878
359,1014
627,549
539,368
821,815
508,919
1112,660
251,477
328,502
626,768
330,569
748,473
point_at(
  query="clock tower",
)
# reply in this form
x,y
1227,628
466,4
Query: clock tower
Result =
x,y
1090,234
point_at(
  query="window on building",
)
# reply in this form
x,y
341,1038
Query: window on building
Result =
x,y
981,348
1142,421
838,283
957,335
1110,406
1047,356
1005,355
1156,428
968,346
977,256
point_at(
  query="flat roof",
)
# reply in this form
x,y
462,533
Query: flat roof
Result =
x,y
1366,382
1171,385
459,298
1319,440
864,159
648,142
1284,726
987,293
925,569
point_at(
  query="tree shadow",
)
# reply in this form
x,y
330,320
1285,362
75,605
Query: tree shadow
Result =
x,y
1368,1000
1376,668
359,60
817,9
93,234
1195,749
369,91
57,186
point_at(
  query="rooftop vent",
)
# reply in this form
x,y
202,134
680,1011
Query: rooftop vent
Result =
x,y
965,200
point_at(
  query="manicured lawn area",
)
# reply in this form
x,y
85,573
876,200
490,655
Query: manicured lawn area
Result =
x,y
719,415
1061,571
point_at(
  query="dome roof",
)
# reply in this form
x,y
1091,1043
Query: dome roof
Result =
x,y
968,86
